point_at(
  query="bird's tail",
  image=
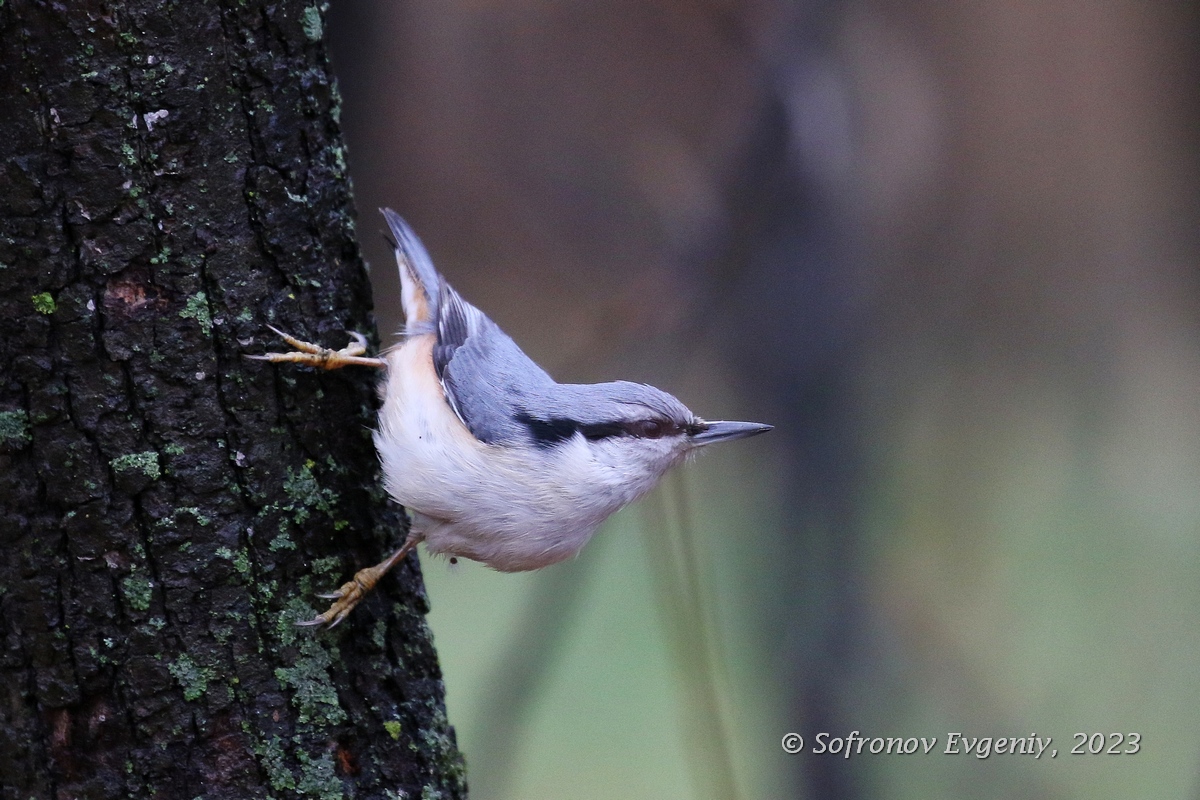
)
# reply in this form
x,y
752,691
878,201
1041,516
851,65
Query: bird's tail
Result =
x,y
419,281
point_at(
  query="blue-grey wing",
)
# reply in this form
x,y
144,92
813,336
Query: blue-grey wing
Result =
x,y
488,379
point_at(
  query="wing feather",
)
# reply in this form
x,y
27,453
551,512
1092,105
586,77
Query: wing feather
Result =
x,y
487,378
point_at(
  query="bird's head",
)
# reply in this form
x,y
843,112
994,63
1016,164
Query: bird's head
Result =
x,y
636,432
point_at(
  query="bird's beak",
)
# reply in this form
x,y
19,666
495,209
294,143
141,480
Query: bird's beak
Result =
x,y
726,432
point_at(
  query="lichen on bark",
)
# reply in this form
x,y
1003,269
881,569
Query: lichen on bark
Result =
x,y
174,179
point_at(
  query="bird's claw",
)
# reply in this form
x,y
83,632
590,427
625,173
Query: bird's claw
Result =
x,y
316,356
345,599
354,590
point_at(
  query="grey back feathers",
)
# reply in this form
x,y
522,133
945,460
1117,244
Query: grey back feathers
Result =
x,y
502,396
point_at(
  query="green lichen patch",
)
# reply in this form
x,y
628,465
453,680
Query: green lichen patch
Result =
x,y
305,496
138,590
313,26
392,726
281,542
14,430
302,489
197,309
240,559
270,754
317,778
192,677
144,463
173,518
43,303
196,514
439,743
327,567
313,692
325,574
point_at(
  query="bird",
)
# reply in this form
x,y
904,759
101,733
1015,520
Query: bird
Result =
x,y
494,460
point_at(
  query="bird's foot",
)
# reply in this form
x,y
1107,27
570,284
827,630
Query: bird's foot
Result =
x,y
358,587
316,356
345,599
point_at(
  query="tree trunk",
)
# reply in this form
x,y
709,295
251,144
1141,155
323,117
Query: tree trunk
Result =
x,y
173,179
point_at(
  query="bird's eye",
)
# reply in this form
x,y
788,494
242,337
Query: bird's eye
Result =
x,y
649,429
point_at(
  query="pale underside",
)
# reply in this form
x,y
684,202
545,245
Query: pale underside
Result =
x,y
513,509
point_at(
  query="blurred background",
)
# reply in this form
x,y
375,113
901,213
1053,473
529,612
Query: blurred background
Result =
x,y
950,250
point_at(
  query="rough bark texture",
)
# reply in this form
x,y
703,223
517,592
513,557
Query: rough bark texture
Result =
x,y
172,179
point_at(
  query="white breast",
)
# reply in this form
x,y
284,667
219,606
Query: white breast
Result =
x,y
512,509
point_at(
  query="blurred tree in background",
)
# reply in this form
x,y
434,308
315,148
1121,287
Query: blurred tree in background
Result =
x,y
949,250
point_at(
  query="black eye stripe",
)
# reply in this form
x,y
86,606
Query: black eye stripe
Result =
x,y
550,432
547,432
602,430
640,429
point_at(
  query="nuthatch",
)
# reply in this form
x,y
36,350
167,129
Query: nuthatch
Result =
x,y
493,459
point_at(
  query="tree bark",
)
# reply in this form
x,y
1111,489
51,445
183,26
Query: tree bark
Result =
x,y
173,179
